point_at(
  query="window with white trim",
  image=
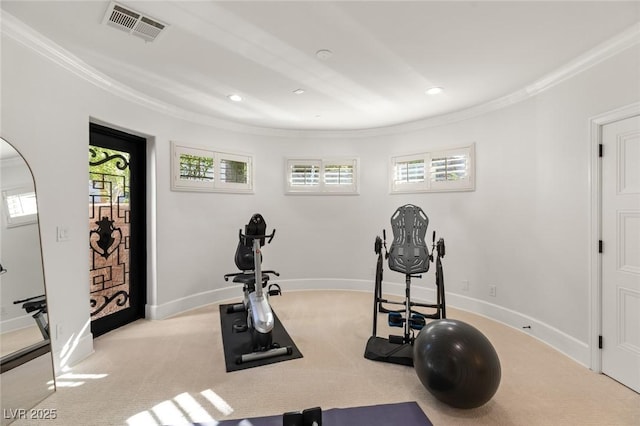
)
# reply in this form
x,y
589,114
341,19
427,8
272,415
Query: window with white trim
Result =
x,y
443,170
20,205
321,176
199,169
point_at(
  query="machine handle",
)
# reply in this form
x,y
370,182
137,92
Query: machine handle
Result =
x,y
257,237
384,243
28,299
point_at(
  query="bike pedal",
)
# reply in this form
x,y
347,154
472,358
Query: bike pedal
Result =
x,y
274,291
395,319
240,327
417,322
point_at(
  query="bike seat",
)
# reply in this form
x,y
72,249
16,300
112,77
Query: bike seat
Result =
x,y
250,279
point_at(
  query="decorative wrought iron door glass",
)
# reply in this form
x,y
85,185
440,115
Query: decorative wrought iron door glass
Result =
x,y
109,225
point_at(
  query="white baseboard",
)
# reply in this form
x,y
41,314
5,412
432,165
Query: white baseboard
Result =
x,y
326,284
74,351
560,341
17,323
573,348
166,310
557,339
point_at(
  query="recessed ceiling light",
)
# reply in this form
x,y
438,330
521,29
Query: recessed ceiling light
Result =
x,y
298,91
235,98
434,91
324,54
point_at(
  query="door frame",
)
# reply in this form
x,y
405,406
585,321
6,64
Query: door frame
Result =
x,y
595,233
141,151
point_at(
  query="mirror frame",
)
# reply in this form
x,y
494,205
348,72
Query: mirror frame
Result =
x,y
24,355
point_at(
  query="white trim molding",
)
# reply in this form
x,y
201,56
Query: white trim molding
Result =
x,y
595,225
560,341
557,339
22,33
17,323
210,169
545,333
75,349
31,39
429,165
322,168
194,301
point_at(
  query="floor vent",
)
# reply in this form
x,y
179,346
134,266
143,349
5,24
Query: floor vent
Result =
x,y
135,23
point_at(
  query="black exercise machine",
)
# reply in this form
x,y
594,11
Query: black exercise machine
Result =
x,y
37,306
260,320
410,256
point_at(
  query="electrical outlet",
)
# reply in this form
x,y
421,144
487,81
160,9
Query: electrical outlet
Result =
x,y
492,290
465,285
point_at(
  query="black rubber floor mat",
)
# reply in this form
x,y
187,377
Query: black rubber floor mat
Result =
x,y
236,344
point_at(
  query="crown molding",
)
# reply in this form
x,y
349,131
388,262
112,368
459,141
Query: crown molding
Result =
x,y
25,35
38,43
592,57
626,39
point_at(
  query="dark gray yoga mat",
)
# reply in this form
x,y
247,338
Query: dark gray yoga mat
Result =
x,y
404,413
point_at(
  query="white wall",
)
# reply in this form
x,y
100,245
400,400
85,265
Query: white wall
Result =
x,y
524,229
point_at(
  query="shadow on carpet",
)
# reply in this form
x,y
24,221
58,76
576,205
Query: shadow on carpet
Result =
x,y
237,344
404,413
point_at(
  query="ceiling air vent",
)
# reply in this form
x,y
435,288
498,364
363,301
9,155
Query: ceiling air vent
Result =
x,y
127,19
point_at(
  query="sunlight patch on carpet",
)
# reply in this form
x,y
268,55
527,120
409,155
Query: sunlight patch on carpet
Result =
x,y
217,401
183,409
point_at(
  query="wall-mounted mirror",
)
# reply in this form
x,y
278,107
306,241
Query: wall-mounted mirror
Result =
x,y
26,364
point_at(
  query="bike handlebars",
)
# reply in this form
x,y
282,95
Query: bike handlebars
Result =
x,y
28,299
255,237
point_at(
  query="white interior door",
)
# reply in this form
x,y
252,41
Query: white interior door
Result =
x,y
621,251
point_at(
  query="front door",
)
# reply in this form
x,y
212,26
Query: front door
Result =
x,y
621,251
117,239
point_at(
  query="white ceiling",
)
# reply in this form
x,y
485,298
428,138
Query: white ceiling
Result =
x,y
385,53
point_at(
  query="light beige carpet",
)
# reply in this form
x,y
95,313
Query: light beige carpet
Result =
x,y
15,340
172,372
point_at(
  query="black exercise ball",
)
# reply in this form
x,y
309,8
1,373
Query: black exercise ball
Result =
x,y
456,363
